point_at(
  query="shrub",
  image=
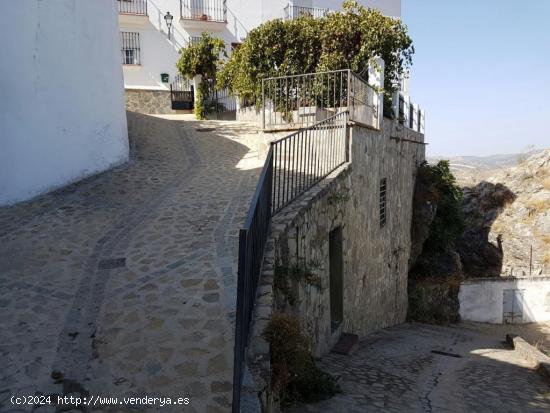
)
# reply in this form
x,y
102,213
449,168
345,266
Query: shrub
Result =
x,y
342,40
203,58
448,223
293,368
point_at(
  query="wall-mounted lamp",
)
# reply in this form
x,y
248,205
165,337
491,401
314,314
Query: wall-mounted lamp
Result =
x,y
168,19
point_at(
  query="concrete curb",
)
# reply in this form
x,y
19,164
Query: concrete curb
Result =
x,y
531,354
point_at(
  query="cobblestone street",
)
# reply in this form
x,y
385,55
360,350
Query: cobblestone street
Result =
x,y
396,370
124,284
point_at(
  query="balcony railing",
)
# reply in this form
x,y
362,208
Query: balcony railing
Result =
x,y
206,10
293,12
137,7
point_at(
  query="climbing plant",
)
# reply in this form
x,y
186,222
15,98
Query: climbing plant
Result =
x,y
341,40
203,58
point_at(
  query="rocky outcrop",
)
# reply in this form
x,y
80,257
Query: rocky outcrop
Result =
x,y
522,228
507,226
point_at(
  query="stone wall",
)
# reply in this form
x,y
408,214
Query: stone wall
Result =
x,y
375,258
149,101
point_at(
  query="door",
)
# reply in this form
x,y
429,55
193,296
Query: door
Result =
x,y
336,278
512,306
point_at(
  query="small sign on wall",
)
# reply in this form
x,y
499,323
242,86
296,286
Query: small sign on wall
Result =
x,y
164,77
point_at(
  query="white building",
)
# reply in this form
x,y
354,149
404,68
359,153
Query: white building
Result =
x,y
149,52
62,114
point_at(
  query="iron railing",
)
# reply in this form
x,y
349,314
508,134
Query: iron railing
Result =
x,y
302,100
306,157
294,164
207,10
138,7
130,50
220,104
252,240
294,12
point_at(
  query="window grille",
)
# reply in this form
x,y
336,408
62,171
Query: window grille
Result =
x,y
130,48
383,187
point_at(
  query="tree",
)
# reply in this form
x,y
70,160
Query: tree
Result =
x,y
203,58
342,40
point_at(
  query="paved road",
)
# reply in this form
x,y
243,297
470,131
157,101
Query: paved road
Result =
x,y
124,284
395,370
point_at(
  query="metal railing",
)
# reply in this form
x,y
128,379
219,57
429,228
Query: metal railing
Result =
x,y
252,240
294,12
408,114
207,10
138,7
221,104
294,164
302,100
306,157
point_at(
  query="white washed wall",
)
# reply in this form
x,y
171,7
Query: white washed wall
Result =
x,y
482,300
62,111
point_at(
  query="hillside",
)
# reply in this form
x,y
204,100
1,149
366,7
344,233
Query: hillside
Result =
x,y
469,170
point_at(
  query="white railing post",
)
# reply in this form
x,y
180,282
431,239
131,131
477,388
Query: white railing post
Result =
x,y
376,80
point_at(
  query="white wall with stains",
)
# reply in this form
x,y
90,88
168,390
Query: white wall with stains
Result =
x,y
62,114
482,300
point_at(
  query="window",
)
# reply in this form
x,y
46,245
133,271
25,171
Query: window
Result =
x,y
130,48
383,185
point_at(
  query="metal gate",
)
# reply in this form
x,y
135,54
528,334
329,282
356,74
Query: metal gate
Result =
x,y
182,94
512,306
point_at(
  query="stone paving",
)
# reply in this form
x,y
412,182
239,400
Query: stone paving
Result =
x,y
395,370
125,283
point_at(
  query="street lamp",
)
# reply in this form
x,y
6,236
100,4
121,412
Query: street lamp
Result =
x,y
168,19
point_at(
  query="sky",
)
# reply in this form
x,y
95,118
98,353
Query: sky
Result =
x,y
481,71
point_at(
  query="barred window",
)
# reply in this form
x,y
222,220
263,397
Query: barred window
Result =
x,y
130,48
383,187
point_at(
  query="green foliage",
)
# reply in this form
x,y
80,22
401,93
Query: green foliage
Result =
x,y
203,58
342,40
293,368
448,223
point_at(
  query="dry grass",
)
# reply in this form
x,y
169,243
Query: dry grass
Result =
x,y
545,239
537,206
546,259
546,184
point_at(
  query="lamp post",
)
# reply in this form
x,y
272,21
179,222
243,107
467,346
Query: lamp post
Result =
x,y
168,19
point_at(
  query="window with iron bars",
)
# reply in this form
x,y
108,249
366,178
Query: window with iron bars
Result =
x,y
130,50
383,187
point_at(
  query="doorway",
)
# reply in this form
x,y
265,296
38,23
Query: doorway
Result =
x,y
336,275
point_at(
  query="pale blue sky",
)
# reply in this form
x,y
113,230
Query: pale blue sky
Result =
x,y
482,73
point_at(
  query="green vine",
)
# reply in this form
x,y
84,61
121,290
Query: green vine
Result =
x,y
300,271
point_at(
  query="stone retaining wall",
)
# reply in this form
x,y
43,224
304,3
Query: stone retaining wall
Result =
x,y
149,101
375,258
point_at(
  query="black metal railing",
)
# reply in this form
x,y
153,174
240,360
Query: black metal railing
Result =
x,y
138,7
252,240
306,157
130,51
294,164
301,100
221,104
207,10
294,12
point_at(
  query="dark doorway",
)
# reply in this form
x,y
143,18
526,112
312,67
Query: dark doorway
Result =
x,y
336,278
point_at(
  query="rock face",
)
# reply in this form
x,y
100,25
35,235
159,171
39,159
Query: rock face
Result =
x,y
522,228
507,225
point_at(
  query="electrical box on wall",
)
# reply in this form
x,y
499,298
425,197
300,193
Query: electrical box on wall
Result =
x,y
165,77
